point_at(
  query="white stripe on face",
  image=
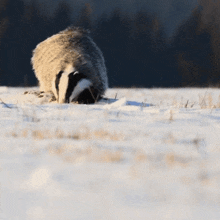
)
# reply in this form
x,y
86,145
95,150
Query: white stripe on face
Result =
x,y
60,83
63,85
81,85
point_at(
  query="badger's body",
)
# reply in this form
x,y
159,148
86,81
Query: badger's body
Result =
x,y
70,65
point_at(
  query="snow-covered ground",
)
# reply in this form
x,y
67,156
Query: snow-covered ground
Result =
x,y
150,154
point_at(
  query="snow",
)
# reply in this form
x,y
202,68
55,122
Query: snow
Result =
x,y
148,154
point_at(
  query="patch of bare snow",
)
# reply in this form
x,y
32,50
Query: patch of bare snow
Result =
x,y
141,154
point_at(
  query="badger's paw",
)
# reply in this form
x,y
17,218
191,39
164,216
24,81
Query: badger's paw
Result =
x,y
52,99
44,97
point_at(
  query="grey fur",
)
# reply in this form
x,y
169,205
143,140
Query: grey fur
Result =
x,y
74,47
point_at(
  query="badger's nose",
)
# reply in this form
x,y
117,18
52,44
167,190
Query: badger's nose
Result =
x,y
61,101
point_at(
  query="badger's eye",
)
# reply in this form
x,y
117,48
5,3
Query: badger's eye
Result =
x,y
73,74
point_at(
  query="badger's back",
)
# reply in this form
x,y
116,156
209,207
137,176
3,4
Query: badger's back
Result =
x,y
74,47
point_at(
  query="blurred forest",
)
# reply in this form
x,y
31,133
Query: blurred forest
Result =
x,y
136,48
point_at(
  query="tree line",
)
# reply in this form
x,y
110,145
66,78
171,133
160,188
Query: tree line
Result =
x,y
136,49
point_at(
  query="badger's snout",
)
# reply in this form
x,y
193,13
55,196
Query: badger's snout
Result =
x,y
69,86
61,101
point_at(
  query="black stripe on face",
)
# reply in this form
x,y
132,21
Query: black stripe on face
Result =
x,y
88,96
74,78
57,81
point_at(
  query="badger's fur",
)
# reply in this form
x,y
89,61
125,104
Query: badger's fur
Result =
x,y
70,65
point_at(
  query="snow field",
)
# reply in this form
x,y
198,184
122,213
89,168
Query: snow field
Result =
x,y
152,154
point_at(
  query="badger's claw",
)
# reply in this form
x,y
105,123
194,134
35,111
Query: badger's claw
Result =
x,y
52,99
37,93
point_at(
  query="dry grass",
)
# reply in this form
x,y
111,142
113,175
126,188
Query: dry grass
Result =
x,y
169,139
173,160
171,116
38,134
102,134
140,156
71,154
206,102
183,104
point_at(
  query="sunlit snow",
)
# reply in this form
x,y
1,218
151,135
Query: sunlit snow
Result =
x,y
148,154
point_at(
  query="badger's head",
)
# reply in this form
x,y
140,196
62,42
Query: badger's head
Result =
x,y
71,85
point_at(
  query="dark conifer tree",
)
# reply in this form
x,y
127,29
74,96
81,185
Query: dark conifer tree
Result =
x,y
10,43
3,18
192,49
33,28
112,35
61,18
148,44
85,17
4,22
133,48
210,23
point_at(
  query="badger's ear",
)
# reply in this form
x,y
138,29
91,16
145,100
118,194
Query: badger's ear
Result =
x,y
55,84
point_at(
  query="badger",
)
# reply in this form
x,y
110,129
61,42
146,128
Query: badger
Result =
x,y
71,66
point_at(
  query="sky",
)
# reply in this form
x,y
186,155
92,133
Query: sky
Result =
x,y
170,12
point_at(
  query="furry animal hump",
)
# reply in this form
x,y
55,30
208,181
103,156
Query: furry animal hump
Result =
x,y
70,65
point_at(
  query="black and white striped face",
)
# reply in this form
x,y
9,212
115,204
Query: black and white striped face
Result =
x,y
68,86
